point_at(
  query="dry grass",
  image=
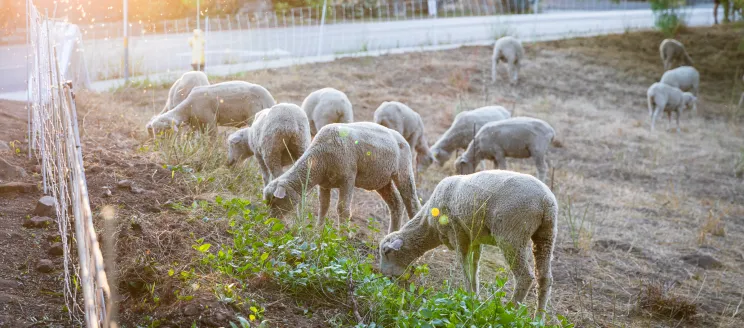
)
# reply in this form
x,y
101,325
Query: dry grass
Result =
x,y
659,300
648,194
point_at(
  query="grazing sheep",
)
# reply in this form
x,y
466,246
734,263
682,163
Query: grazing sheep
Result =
x,y
326,106
278,136
685,78
662,97
233,103
509,50
401,118
182,87
671,50
519,137
464,128
495,207
347,155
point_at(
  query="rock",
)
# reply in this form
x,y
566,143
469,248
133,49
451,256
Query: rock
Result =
x,y
7,299
137,190
11,172
125,184
107,192
4,146
56,249
53,237
45,266
9,284
93,170
37,222
191,310
17,187
704,261
46,207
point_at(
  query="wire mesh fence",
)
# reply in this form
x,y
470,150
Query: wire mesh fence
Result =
x,y
55,141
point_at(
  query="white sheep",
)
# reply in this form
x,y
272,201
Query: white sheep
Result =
x,y
278,136
326,106
233,103
509,50
494,207
182,87
685,78
662,97
347,155
399,117
463,129
519,137
672,50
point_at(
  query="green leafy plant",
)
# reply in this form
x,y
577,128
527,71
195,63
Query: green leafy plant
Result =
x,y
668,15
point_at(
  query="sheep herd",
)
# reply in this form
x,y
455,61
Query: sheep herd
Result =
x,y
326,148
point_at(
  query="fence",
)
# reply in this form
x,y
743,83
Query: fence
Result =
x,y
55,141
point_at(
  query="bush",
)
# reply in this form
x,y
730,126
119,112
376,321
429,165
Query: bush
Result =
x,y
330,269
668,15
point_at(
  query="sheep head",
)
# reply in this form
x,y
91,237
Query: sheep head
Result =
x,y
160,124
238,147
464,165
280,197
395,255
441,156
424,161
690,101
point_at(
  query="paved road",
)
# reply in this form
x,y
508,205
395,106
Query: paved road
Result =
x,y
160,53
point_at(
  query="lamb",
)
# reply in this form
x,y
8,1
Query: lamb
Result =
x,y
182,87
326,106
347,155
278,136
399,117
519,137
464,128
685,78
671,50
509,50
494,207
662,97
233,103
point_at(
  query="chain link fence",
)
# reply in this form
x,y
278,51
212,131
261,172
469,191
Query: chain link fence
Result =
x,y
55,141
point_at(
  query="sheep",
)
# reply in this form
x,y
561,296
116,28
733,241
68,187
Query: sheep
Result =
x,y
326,106
399,117
494,207
671,50
278,136
662,97
685,78
233,103
347,155
509,50
519,137
463,129
182,87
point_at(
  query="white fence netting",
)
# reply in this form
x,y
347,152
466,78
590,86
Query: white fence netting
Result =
x,y
55,66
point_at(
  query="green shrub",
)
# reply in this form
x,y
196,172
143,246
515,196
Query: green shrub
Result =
x,y
668,15
329,268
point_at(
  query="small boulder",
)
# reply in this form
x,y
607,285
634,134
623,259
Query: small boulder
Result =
x,y
11,172
46,206
45,266
107,192
137,190
704,261
37,222
56,249
191,310
125,184
17,187
4,146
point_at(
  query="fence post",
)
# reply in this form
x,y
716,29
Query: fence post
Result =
x,y
126,43
322,24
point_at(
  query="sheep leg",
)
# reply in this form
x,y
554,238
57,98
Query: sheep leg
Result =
x,y
406,185
265,173
494,61
514,72
655,115
324,197
463,250
345,196
499,160
518,257
676,116
541,164
391,197
474,268
542,249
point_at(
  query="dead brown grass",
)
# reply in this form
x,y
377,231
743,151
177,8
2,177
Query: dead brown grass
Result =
x,y
658,300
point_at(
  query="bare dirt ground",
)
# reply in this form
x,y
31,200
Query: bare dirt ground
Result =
x,y
646,206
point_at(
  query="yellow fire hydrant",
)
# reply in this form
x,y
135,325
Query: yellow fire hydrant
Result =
x,y
197,50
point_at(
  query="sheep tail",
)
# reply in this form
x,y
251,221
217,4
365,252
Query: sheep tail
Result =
x,y
556,143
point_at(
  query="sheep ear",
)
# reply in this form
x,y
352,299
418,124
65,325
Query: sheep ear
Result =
x,y
280,192
396,244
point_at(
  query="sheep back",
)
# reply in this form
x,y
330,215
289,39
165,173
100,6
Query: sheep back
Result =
x,y
686,78
326,106
233,103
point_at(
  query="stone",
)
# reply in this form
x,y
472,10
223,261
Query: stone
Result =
x,y
11,172
107,192
704,261
191,310
124,184
46,206
137,190
4,146
7,299
37,222
45,266
18,187
9,284
56,249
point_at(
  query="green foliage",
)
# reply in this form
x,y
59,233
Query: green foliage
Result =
x,y
668,15
327,266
